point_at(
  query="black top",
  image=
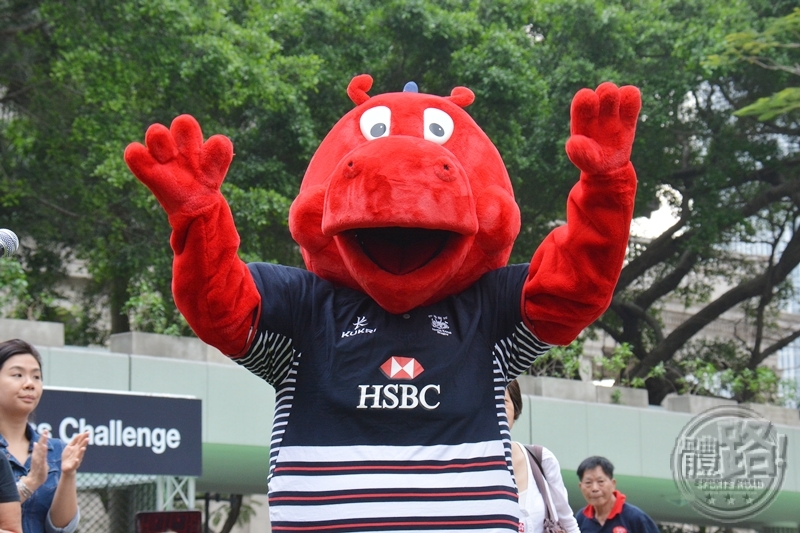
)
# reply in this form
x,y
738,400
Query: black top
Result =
x,y
390,422
8,488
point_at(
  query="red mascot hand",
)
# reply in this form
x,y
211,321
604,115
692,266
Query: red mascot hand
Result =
x,y
212,287
574,272
603,127
183,173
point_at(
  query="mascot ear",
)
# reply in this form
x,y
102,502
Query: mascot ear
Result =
x,y
461,96
358,87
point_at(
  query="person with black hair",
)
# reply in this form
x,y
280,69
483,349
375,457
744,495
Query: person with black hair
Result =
x,y
607,510
531,502
44,469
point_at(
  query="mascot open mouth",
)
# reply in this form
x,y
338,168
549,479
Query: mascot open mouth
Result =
x,y
401,250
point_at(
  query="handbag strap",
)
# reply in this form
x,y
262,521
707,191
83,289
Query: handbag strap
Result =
x,y
535,453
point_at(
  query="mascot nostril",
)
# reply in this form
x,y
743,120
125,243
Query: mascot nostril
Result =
x,y
445,171
390,354
351,170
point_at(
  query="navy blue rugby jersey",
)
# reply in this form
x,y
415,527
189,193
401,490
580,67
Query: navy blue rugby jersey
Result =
x,y
384,422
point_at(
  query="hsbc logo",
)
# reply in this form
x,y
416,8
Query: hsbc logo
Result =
x,y
395,395
397,367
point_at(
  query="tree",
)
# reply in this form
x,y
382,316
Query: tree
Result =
x,y
772,48
104,73
272,78
737,186
91,77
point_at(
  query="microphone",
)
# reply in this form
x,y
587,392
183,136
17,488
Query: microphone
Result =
x,y
8,243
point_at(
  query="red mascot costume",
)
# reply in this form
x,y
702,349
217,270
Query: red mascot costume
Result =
x,y
390,354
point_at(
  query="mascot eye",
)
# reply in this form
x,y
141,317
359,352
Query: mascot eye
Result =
x,y
438,125
375,122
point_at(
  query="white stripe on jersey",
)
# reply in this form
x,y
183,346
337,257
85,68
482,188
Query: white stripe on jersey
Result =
x,y
395,509
346,454
365,482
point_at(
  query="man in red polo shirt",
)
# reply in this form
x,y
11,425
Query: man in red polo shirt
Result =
x,y
607,511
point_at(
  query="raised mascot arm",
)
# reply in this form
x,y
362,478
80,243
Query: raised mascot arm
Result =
x,y
575,270
211,285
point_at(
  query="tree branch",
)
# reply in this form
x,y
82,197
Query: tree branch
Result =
x,y
769,64
670,282
57,208
608,329
691,326
233,514
21,29
777,346
664,246
631,309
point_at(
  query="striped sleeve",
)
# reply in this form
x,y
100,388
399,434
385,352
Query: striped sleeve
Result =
x,y
270,357
516,347
287,294
519,351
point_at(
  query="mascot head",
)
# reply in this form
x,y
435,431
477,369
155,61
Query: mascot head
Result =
x,y
406,199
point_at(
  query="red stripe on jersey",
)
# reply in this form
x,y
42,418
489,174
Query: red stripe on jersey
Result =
x,y
397,524
384,467
391,495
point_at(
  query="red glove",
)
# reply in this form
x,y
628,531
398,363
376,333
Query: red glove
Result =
x,y
575,270
212,287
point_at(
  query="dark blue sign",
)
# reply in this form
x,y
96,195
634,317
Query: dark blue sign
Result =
x,y
128,433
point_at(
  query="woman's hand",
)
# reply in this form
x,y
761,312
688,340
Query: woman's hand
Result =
x,y
38,472
73,452
65,500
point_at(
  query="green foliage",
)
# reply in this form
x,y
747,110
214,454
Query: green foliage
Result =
x,y
781,103
618,366
616,396
720,369
728,180
105,73
149,311
559,362
81,79
777,48
13,287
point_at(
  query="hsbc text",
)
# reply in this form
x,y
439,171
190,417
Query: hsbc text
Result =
x,y
397,396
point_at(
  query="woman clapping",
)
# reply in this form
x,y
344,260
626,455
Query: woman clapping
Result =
x,y
45,469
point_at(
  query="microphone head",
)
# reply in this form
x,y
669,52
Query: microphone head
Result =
x,y
8,242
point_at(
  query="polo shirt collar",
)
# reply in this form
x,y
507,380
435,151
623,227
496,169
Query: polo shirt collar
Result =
x,y
588,511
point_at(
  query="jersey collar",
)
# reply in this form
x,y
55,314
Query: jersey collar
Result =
x,y
588,511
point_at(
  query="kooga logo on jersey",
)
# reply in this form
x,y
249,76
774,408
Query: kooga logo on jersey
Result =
x,y
399,396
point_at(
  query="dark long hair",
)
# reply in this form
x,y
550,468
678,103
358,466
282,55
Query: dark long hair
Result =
x,y
516,397
14,347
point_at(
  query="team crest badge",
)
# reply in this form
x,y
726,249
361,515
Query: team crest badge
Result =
x,y
439,325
